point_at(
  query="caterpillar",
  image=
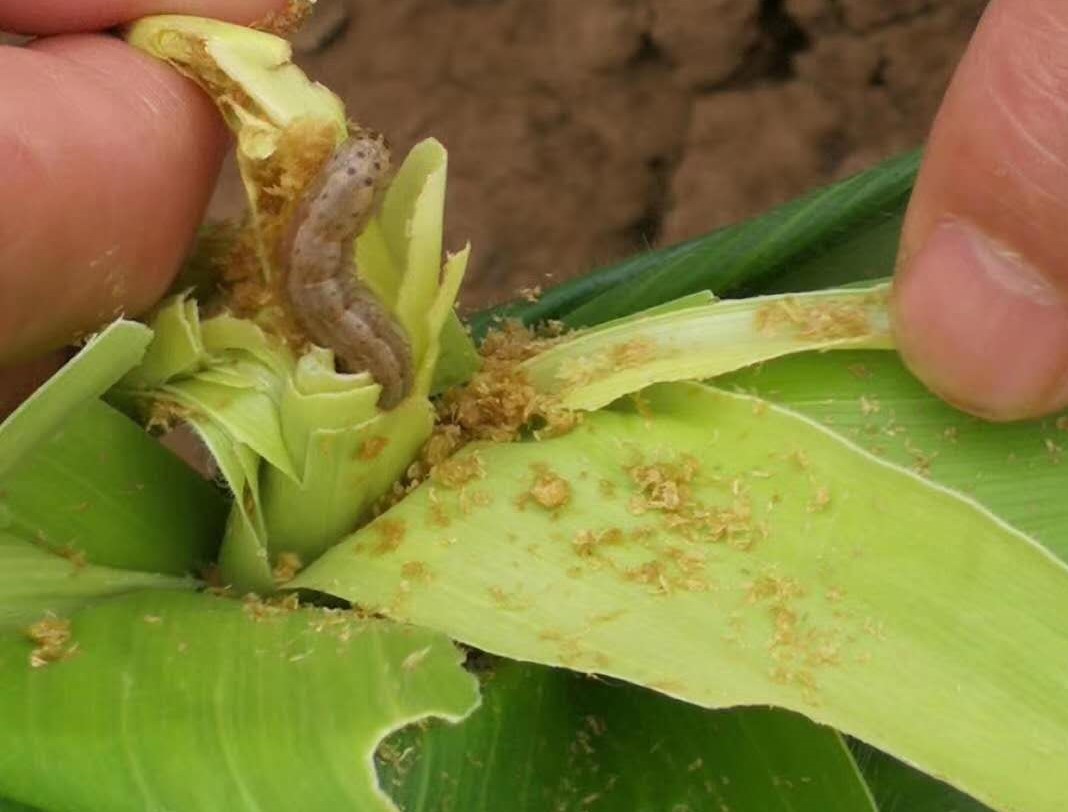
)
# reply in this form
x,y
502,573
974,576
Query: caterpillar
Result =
x,y
334,308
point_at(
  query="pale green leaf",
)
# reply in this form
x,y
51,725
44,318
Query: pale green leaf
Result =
x,y
808,575
104,359
227,337
176,348
593,368
35,582
399,256
417,237
259,63
257,88
457,359
315,399
248,416
1017,470
440,313
243,557
347,470
244,561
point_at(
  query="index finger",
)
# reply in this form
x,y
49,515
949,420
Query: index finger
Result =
x,y
63,16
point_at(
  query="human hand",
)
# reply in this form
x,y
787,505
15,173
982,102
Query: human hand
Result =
x,y
108,160
981,295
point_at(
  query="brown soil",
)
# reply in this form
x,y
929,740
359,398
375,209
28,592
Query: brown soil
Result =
x,y
581,131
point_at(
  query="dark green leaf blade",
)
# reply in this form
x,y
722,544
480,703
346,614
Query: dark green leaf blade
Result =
x,y
807,232
867,253
900,788
546,739
12,806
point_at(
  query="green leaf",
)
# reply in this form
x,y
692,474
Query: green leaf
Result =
x,y
803,574
176,347
104,359
1017,470
70,467
863,254
304,449
192,702
458,360
900,788
399,255
871,398
347,470
806,233
412,218
35,582
222,56
259,92
593,368
545,739
11,806
99,486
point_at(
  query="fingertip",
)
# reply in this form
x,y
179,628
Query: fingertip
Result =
x,y
19,381
981,327
111,157
46,17
982,283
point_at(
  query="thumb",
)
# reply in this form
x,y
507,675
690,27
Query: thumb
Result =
x,y
981,295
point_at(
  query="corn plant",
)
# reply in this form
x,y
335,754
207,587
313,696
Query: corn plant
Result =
x,y
682,534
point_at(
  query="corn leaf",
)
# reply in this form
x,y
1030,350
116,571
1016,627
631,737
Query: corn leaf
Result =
x,y
77,476
864,254
296,441
721,550
222,56
35,582
832,236
870,398
192,702
896,786
1016,470
104,359
101,489
11,806
593,368
545,739
458,359
827,237
834,253
255,85
347,470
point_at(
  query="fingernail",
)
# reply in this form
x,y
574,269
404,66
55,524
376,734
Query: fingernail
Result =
x,y
981,326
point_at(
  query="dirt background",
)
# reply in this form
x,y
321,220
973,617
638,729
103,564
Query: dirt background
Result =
x,y
581,131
